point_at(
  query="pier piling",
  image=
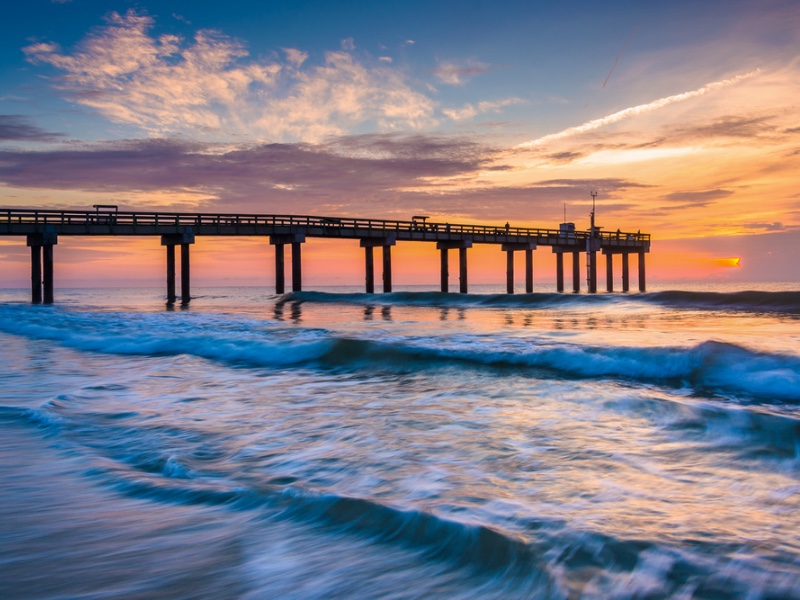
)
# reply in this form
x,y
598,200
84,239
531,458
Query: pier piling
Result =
x,y
642,284
626,278
387,268
528,248
36,273
42,226
297,267
280,269
279,241
559,272
185,275
184,239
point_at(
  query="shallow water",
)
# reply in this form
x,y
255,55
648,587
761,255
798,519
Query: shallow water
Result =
x,y
404,445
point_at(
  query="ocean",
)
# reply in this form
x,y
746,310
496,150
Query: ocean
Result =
x,y
333,444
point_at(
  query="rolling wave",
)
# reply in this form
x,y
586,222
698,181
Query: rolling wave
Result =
x,y
746,301
709,367
540,557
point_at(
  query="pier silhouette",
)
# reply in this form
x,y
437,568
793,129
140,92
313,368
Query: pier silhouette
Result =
x,y
42,229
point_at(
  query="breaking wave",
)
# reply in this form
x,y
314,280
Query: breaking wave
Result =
x,y
709,367
746,301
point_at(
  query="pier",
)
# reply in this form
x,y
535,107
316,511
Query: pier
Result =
x,y
42,228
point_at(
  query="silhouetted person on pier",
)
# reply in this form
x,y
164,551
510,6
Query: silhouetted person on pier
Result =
x,y
507,227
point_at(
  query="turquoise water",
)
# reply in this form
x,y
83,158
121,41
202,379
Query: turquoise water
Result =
x,y
337,444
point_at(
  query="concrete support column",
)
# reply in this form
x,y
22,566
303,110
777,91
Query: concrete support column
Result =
x,y
462,246
576,272
41,245
529,271
510,271
171,296
444,271
186,295
591,267
36,273
387,269
626,280
297,266
609,272
280,241
370,269
47,273
559,271
280,269
510,248
369,256
462,270
185,240
642,284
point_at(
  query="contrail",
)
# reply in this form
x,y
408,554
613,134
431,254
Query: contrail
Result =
x,y
637,110
616,60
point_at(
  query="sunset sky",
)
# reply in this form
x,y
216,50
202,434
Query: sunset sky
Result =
x,y
683,116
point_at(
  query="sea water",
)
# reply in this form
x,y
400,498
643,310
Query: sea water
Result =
x,y
333,444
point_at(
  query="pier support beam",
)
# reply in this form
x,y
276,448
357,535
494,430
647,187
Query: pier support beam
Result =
x,y
510,248
509,271
186,287
41,245
609,272
576,272
370,269
386,243
185,240
444,271
626,278
387,269
171,297
560,251
528,270
280,269
591,270
592,247
36,272
559,272
462,246
297,267
462,270
280,241
642,284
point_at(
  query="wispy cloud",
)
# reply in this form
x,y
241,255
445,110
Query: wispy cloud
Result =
x,y
210,88
702,196
19,129
267,177
454,74
637,110
469,111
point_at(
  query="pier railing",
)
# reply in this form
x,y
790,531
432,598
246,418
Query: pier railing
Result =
x,y
138,222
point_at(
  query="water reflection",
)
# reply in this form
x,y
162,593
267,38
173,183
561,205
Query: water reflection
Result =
x,y
295,311
444,314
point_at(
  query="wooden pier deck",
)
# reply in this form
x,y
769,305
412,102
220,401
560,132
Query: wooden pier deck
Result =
x,y
43,227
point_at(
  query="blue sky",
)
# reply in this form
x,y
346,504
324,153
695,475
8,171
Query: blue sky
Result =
x,y
682,115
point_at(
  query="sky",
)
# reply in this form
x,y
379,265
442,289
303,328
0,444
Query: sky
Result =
x,y
682,116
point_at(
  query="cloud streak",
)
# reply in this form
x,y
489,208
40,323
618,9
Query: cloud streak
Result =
x,y
637,110
453,74
18,129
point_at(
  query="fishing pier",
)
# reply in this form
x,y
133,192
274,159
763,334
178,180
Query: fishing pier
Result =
x,y
42,228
